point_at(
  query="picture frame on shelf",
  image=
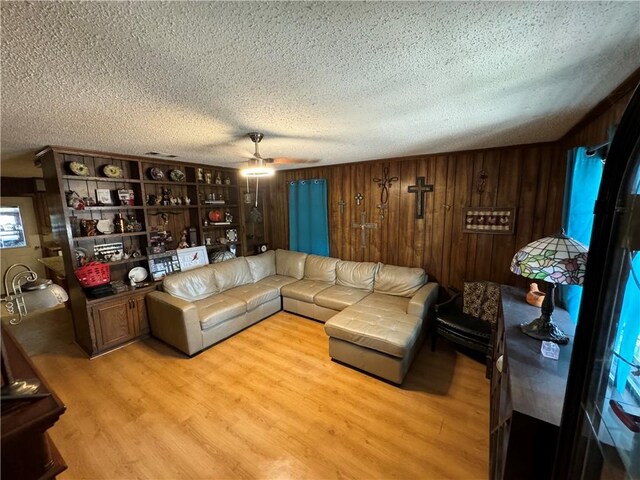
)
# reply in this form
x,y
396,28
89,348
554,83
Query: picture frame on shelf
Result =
x,y
232,234
126,197
103,196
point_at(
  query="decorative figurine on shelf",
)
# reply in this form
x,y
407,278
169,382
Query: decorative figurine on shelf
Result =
x,y
228,217
186,200
166,196
200,175
218,179
227,180
183,240
207,177
207,241
120,224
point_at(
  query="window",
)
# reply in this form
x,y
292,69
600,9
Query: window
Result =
x,y
11,231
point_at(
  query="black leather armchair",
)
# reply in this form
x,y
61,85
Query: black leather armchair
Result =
x,y
469,318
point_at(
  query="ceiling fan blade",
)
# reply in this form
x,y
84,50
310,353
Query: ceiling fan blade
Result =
x,y
291,161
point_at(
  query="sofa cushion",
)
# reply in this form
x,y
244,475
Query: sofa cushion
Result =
x,y
390,333
386,303
217,309
338,297
356,274
321,269
254,294
400,281
262,266
232,273
304,290
277,281
193,285
290,264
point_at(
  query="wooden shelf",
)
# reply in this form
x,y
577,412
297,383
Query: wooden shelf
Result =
x,y
217,246
218,205
100,179
110,235
170,182
102,208
128,260
229,225
215,185
171,207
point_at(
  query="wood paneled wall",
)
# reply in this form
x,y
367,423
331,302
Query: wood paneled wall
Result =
x,y
527,177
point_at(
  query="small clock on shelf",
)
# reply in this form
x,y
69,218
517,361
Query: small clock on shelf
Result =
x,y
262,247
232,235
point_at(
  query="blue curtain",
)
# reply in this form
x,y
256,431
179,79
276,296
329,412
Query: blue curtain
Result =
x,y
580,193
308,217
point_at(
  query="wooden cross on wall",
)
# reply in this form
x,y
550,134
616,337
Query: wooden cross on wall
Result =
x,y
420,189
363,226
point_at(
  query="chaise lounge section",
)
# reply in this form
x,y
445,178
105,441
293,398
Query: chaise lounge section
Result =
x,y
374,313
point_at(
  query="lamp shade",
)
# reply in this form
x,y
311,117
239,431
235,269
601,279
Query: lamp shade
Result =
x,y
556,259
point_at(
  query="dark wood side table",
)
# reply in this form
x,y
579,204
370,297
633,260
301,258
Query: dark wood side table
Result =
x,y
528,395
27,451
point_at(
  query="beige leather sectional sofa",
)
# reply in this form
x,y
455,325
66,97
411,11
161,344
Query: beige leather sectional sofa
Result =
x,y
373,313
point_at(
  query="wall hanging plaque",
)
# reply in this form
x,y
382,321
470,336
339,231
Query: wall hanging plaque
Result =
x,y
489,220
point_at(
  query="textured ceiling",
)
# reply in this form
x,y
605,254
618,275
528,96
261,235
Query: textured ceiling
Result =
x,y
331,81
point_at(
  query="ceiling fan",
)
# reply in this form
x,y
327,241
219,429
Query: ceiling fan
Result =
x,y
258,165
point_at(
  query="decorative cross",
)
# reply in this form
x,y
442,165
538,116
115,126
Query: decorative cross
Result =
x,y
359,198
382,207
384,183
363,225
341,204
420,189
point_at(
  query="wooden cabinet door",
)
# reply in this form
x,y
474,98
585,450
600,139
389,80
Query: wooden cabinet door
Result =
x,y
114,323
140,308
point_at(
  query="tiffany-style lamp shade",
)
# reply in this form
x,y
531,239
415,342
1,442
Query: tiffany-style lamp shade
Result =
x,y
558,260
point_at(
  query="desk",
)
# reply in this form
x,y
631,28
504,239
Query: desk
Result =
x,y
27,451
527,397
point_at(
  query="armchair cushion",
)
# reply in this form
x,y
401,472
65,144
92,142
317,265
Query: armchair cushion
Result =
x,y
464,325
482,300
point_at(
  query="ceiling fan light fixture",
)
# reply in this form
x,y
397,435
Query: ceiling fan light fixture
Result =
x,y
258,171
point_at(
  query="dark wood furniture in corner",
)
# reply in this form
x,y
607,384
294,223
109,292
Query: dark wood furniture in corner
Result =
x,y
167,195
527,395
27,451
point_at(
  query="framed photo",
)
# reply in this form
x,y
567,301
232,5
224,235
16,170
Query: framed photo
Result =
x,y
103,196
126,197
492,220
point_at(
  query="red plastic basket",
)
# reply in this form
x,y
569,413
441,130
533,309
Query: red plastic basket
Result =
x,y
93,274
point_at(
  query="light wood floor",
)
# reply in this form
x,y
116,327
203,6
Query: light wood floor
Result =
x,y
266,403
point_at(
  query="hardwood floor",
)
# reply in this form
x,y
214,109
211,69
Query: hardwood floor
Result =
x,y
266,403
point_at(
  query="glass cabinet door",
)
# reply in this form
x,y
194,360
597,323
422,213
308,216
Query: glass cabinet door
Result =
x,y
611,417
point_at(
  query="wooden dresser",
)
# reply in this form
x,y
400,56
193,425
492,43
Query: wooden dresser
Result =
x,y
27,451
527,396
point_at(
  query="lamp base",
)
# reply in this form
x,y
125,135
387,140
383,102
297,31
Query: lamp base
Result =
x,y
21,388
543,328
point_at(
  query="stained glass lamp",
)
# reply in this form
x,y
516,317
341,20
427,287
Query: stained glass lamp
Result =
x,y
557,260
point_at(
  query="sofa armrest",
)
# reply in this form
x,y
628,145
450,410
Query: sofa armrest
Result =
x,y
423,299
175,321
